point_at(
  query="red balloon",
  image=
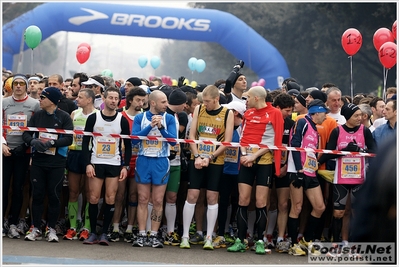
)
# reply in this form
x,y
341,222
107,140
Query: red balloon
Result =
x,y
381,36
82,54
85,45
394,30
351,41
387,54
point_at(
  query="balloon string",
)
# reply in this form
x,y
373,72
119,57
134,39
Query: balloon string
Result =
x,y
385,71
351,66
31,61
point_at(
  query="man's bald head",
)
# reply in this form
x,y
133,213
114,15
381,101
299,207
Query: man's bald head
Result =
x,y
258,91
155,95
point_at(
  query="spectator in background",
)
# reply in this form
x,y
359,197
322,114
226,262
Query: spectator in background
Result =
x,y
390,92
65,104
97,84
384,131
366,114
33,82
67,86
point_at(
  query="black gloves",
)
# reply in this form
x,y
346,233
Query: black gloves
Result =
x,y
180,81
298,182
352,147
39,145
20,150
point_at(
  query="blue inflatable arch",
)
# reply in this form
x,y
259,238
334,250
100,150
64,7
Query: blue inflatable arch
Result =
x,y
158,22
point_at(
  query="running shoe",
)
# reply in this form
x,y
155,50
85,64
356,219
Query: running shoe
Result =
x,y
219,242
29,230
197,239
238,246
139,242
269,242
22,226
52,235
70,234
250,240
60,228
114,237
283,246
172,239
84,234
155,242
184,243
208,244
91,240
296,250
260,247
128,236
13,232
193,228
308,247
35,234
104,239
229,239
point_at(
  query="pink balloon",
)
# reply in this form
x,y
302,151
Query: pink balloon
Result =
x,y
253,84
261,82
394,29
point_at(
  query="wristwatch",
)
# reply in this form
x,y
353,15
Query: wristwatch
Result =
x,y
196,155
161,128
243,153
127,168
212,157
52,142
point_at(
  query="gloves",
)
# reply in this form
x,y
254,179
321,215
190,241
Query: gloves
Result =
x,y
39,145
297,183
20,150
352,147
180,81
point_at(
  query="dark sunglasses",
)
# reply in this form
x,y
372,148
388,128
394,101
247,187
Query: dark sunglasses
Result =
x,y
43,97
89,86
16,83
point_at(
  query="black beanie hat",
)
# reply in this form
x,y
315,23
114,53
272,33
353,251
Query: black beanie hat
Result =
x,y
53,94
135,81
238,75
293,85
348,110
301,100
177,97
317,94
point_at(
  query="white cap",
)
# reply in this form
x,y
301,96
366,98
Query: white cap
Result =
x,y
237,106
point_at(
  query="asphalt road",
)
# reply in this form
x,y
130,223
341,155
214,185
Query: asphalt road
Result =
x,y
19,251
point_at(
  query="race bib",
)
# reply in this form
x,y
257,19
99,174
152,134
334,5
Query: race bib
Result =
x,y
252,150
18,121
310,164
44,137
231,154
152,147
78,137
205,150
135,150
351,168
106,147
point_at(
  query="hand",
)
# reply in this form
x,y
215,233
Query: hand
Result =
x,y
20,150
283,171
6,150
205,162
198,163
123,174
90,171
247,160
180,81
298,182
352,147
39,145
